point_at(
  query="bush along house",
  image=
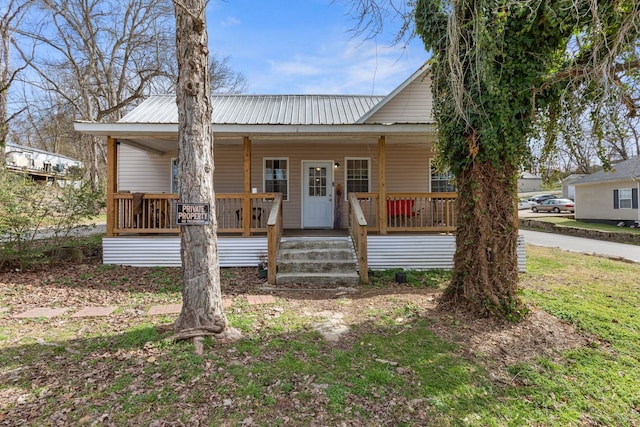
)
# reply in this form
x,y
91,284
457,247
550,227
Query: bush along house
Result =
x,y
322,187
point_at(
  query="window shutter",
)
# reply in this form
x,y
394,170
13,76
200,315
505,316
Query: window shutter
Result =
x,y
634,198
616,200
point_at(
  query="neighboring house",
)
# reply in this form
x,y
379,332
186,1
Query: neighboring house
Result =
x,y
610,196
569,187
42,165
298,163
528,183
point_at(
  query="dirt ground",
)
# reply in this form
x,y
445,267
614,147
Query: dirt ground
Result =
x,y
488,342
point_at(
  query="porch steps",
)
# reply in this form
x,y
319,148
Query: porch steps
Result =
x,y
319,262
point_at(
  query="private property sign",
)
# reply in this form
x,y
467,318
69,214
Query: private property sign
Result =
x,y
192,214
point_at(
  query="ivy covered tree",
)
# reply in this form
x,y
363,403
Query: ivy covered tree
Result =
x,y
503,70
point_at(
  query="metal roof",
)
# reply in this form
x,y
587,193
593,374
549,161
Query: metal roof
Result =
x,y
263,109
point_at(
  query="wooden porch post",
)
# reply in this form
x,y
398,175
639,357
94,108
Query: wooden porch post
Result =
x,y
382,185
247,213
112,184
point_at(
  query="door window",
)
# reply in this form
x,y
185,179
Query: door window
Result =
x,y
317,182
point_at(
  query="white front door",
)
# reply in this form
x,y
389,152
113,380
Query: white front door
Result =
x,y
317,197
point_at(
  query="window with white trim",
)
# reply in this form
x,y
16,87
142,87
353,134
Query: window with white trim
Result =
x,y
276,176
440,182
357,175
174,175
625,198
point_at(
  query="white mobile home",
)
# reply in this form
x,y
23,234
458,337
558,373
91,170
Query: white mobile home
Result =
x,y
41,164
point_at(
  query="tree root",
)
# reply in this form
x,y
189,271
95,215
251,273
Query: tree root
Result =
x,y
226,335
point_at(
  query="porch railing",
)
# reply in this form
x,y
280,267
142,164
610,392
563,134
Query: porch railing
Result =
x,y
152,213
406,212
274,235
358,233
145,213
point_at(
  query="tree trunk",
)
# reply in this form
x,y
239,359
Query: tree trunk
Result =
x,y
4,87
93,168
485,275
202,310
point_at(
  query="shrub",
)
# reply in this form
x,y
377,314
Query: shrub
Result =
x,y
36,215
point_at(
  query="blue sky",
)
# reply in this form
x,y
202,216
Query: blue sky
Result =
x,y
306,47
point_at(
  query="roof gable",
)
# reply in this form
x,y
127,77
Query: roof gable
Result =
x,y
411,102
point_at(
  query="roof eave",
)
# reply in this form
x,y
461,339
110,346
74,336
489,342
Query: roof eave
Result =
x,y
607,180
171,129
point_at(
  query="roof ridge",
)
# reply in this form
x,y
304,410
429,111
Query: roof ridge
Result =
x,y
239,95
301,95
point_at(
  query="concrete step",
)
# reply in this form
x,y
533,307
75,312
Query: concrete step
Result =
x,y
317,262
318,279
317,266
306,244
316,254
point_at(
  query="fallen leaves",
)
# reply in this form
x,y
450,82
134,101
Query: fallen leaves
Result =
x,y
97,369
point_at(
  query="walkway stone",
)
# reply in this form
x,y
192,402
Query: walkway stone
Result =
x,y
40,312
260,299
94,312
158,310
331,326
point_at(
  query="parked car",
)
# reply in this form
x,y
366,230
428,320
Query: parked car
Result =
x,y
525,204
541,198
555,205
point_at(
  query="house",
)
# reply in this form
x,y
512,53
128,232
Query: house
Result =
x,y
528,183
358,167
41,165
610,196
569,187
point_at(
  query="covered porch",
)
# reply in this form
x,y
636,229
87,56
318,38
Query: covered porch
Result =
x,y
141,216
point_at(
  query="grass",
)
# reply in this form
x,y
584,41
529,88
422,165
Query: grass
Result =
x,y
568,222
385,373
601,298
421,279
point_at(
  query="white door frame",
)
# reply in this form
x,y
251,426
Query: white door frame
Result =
x,y
330,190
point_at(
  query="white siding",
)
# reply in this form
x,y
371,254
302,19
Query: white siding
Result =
x,y
414,104
165,251
421,252
143,171
595,201
385,252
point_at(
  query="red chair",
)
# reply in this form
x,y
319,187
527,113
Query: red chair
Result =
x,y
401,208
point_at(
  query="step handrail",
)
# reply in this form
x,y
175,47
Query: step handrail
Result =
x,y
358,233
274,235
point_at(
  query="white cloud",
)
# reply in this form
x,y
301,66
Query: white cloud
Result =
x,y
230,21
278,61
350,67
299,67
